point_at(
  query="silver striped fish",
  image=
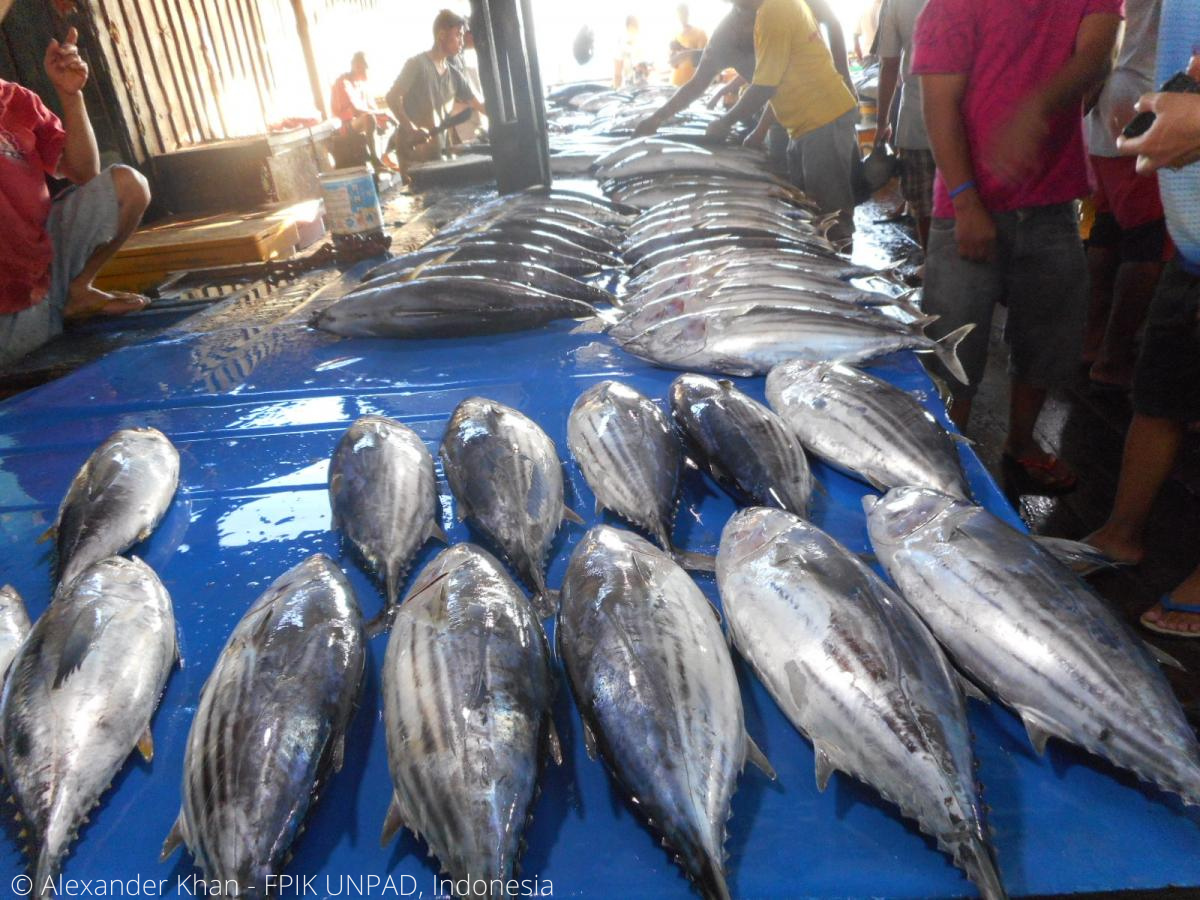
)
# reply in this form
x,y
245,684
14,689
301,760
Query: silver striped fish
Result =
x,y
630,455
383,493
14,626
79,698
857,672
651,674
467,692
270,725
866,427
1033,633
116,499
507,478
745,446
750,339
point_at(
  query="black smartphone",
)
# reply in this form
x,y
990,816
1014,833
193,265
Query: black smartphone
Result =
x,y
1179,83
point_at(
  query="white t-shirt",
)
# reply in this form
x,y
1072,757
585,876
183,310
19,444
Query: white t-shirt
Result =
x,y
1132,76
896,25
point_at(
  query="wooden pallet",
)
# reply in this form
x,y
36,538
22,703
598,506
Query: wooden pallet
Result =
x,y
175,245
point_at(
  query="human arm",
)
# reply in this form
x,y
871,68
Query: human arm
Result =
x,y
732,88
1017,149
687,94
758,136
837,39
1173,141
942,96
889,75
80,161
404,83
752,100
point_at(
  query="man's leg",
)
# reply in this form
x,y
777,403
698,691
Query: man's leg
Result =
x,y
959,292
830,156
83,298
1046,286
1104,258
917,171
1132,293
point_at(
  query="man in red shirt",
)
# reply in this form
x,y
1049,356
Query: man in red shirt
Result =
x,y
52,250
352,103
1003,83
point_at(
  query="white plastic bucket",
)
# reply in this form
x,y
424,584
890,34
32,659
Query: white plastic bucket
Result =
x,y
351,202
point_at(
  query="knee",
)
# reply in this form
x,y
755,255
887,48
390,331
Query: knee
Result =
x,y
133,191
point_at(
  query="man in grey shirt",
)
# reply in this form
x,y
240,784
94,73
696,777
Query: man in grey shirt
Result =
x,y
428,89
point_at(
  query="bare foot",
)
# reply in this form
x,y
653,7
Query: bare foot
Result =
x,y
1116,547
87,302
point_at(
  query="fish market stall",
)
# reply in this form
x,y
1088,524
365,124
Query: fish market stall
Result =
x,y
256,415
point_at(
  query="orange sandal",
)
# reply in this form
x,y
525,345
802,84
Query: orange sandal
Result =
x,y
1048,477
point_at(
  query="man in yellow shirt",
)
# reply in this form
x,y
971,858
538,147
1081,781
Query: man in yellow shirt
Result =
x,y
795,75
686,49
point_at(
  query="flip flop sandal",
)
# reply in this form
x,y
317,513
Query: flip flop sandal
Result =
x,y
1038,476
1168,605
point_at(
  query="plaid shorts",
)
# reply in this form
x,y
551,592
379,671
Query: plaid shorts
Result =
x,y
917,170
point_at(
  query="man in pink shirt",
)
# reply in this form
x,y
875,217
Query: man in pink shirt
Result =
x,y
1003,83
52,250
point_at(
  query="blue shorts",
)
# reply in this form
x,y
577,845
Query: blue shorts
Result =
x,y
83,218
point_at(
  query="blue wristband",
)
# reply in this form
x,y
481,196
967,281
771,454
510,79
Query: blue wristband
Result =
x,y
965,186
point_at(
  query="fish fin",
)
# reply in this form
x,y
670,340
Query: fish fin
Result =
x,y
971,689
595,325
960,438
382,623
695,562
946,350
545,603
1081,558
825,768
145,745
758,759
571,516
81,637
435,531
337,752
589,742
392,823
1038,735
174,840
49,534
552,741
599,506
1164,658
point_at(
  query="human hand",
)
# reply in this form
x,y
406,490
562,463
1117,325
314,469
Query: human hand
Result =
x,y
422,135
64,66
974,230
718,129
883,135
756,138
647,126
1017,147
1173,140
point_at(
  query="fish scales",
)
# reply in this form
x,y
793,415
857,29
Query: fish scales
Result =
x,y
270,725
1034,634
383,494
630,455
652,677
855,670
117,498
14,626
467,691
79,698
745,446
505,474
865,426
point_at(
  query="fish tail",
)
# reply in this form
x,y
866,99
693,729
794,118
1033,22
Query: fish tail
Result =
x,y
946,350
48,863
978,860
391,579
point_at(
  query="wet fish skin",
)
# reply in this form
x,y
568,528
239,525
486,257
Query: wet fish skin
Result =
x,y
467,693
478,249
856,672
734,232
630,456
14,626
744,445
270,725
445,307
1035,635
529,274
652,677
117,498
550,239
704,242
751,339
383,494
79,698
505,474
866,427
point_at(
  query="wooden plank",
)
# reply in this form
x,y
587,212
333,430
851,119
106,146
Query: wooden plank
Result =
x,y
215,74
260,37
258,51
110,38
185,111
157,76
157,136
249,53
201,79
